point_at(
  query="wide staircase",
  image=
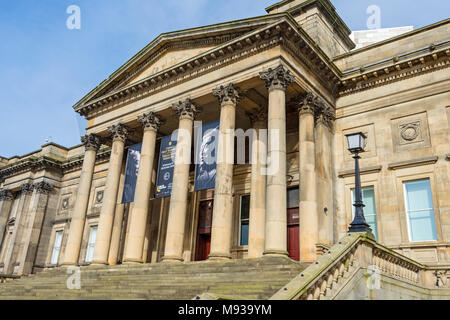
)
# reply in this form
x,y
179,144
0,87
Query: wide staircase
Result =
x,y
235,279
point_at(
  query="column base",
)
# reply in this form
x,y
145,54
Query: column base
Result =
x,y
275,253
99,263
132,261
68,264
219,256
172,259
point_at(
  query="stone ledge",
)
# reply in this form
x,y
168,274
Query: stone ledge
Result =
x,y
366,170
61,220
413,163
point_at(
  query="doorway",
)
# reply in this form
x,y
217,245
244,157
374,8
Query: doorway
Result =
x,y
204,230
293,226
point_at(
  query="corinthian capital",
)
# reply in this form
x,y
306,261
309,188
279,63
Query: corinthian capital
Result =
x,y
257,116
278,78
43,187
92,142
6,195
312,104
151,121
119,132
186,109
308,104
27,188
226,94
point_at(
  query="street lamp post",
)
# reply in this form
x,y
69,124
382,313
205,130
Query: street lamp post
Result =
x,y
356,142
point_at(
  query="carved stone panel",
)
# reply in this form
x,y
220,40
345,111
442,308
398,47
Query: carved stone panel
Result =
x,y
410,132
370,148
99,196
64,204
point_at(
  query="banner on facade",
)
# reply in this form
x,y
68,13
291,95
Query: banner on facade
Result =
x,y
206,153
165,167
131,172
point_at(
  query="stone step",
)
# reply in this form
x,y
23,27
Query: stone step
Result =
x,y
249,279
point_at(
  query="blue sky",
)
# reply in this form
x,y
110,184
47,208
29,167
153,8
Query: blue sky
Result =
x,y
45,68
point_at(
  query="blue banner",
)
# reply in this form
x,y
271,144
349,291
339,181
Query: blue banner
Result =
x,y
165,167
131,172
206,154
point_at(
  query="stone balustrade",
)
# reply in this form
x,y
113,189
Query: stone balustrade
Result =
x,y
357,256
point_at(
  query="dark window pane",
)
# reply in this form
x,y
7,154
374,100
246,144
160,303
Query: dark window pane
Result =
x,y
292,198
245,207
244,234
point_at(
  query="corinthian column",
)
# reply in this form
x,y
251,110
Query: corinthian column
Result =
x,y
6,199
91,144
173,251
277,81
223,198
139,215
309,219
33,227
119,134
324,127
257,222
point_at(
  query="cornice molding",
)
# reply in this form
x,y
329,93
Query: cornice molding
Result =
x,y
413,163
365,170
394,70
34,164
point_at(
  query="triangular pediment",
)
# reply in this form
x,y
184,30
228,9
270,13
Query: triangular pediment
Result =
x,y
172,48
167,60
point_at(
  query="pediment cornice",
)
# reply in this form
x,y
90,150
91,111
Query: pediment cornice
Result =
x,y
207,35
283,32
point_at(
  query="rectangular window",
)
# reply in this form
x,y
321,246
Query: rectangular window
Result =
x,y
293,198
245,214
419,211
91,244
370,212
56,247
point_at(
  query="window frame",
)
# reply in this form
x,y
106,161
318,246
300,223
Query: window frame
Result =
x,y
240,220
88,243
54,247
352,200
405,203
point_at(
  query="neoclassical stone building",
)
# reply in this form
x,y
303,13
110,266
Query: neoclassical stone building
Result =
x,y
292,72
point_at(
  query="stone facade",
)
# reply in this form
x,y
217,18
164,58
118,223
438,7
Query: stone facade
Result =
x,y
289,72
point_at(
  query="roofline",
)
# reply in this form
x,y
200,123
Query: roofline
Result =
x,y
393,39
171,35
39,150
277,5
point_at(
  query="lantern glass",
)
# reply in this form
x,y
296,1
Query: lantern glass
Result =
x,y
356,142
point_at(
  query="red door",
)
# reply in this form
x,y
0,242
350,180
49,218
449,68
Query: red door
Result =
x,y
293,240
204,230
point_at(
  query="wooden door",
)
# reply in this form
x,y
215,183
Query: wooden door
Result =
x,y
293,240
204,230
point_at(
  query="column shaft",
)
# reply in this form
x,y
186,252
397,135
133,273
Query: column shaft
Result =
x,y
6,200
138,220
276,202
309,220
324,183
135,235
79,212
178,201
257,222
105,225
223,194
